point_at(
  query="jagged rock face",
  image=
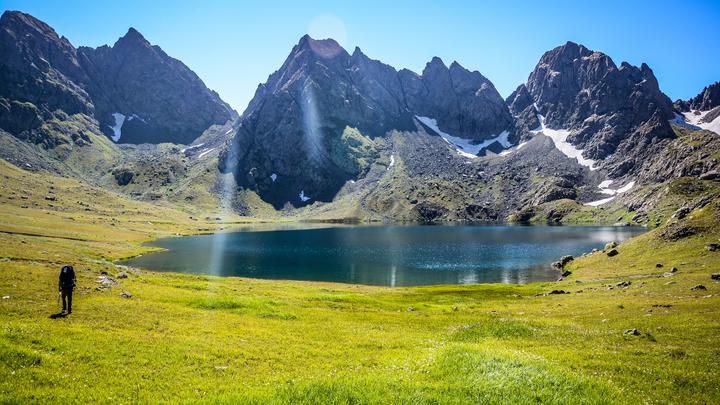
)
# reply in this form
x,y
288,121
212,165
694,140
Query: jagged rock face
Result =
x,y
610,110
465,103
294,126
708,99
521,105
42,74
169,102
38,75
318,121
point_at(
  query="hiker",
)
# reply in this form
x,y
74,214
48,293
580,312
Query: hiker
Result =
x,y
66,284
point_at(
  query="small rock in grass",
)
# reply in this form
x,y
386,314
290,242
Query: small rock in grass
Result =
x,y
667,275
411,309
6,297
712,247
624,284
671,282
107,281
658,265
559,292
698,287
122,274
125,294
566,273
612,252
673,269
610,245
681,213
715,276
633,332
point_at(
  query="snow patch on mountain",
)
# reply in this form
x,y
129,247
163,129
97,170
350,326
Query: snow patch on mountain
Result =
x,y
205,152
600,202
117,128
559,138
695,120
605,189
183,150
135,116
465,147
303,197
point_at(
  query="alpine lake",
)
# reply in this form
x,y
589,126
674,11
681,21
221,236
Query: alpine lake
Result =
x,y
385,255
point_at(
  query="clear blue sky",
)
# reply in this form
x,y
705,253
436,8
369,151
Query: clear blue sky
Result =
x,y
234,45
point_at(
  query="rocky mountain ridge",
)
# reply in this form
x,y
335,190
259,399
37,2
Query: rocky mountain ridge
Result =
x,y
311,126
136,92
335,135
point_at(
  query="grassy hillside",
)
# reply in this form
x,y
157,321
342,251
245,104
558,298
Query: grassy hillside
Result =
x,y
186,338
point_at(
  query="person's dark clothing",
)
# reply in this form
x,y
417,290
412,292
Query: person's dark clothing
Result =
x,y
66,285
67,299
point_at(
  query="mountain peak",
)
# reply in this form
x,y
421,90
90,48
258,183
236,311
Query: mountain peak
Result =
x,y
436,60
457,67
326,48
708,98
15,20
133,36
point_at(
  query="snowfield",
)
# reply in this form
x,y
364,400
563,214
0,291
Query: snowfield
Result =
x,y
303,197
692,120
117,128
600,202
559,138
465,147
605,189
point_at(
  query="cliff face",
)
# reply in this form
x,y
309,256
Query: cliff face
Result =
x,y
137,93
311,126
615,114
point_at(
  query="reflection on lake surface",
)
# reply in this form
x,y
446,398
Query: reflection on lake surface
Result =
x,y
385,255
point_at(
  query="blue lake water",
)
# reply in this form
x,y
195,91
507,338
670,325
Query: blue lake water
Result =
x,y
385,255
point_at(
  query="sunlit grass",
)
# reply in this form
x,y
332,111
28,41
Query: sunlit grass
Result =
x,y
197,338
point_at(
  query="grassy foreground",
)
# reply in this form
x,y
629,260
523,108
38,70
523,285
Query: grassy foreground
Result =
x,y
185,338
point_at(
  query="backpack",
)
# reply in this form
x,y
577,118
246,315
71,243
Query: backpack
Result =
x,y
67,277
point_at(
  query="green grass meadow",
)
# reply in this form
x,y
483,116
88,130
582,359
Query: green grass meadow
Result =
x,y
202,339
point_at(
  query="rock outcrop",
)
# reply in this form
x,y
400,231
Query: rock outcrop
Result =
x,y
708,99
